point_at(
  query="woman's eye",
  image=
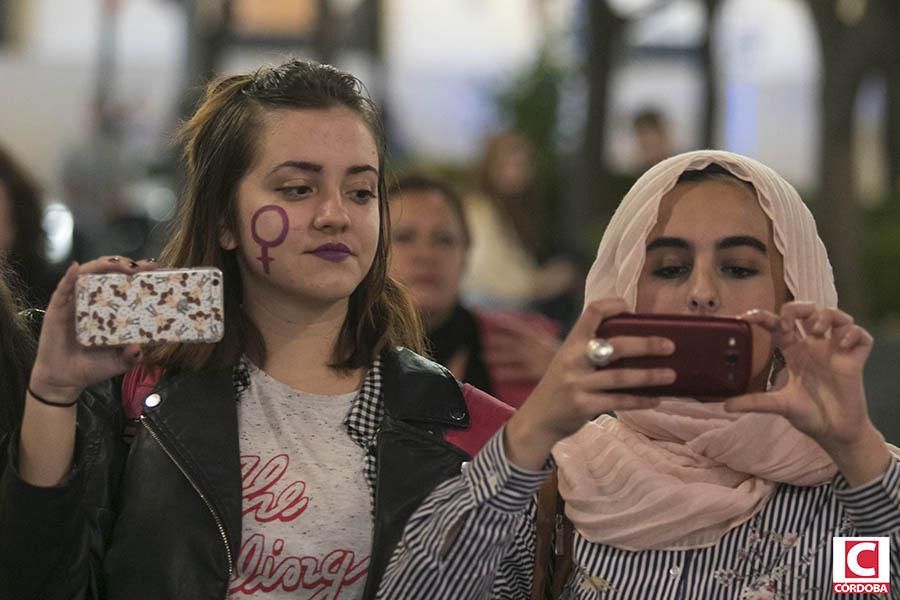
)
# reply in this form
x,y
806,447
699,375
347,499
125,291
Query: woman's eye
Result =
x,y
363,196
671,272
402,237
446,241
295,192
740,272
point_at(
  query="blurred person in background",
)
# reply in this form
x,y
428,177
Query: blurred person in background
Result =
x,y
18,333
504,353
505,268
23,241
652,137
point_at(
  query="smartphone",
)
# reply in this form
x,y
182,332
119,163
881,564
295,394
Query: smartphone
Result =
x,y
151,307
712,358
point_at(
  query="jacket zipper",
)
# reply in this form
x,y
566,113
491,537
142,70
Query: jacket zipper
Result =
x,y
203,497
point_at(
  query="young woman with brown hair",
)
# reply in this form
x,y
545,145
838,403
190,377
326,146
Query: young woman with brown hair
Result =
x,y
284,459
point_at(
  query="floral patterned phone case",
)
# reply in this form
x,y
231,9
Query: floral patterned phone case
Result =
x,y
153,307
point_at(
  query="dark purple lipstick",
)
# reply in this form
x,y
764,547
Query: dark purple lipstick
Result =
x,y
332,252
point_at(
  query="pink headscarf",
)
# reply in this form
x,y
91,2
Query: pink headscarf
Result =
x,y
682,475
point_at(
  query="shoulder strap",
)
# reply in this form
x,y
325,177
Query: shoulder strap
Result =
x,y
553,543
486,416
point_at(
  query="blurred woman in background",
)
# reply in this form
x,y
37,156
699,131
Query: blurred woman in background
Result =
x,y
504,353
508,265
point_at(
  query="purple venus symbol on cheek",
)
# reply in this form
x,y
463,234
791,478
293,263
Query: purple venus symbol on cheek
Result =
x,y
264,245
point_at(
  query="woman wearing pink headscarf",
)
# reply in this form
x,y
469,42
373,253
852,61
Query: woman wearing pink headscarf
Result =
x,y
676,498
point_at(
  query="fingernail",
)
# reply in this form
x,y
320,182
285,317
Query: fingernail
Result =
x,y
669,346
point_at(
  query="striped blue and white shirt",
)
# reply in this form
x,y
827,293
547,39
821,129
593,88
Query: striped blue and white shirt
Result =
x,y
473,537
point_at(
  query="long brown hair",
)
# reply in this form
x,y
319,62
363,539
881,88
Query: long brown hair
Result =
x,y
220,142
26,258
17,345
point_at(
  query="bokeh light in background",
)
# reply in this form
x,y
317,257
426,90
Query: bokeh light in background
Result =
x,y
443,63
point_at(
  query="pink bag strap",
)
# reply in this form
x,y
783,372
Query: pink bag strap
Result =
x,y
486,416
136,386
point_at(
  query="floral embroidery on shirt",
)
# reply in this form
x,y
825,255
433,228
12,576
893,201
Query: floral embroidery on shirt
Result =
x,y
596,584
777,578
762,588
593,583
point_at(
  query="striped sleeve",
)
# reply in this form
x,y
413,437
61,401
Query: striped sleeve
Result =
x,y
473,536
874,509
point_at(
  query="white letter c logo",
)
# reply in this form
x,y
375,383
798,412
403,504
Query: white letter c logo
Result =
x,y
853,559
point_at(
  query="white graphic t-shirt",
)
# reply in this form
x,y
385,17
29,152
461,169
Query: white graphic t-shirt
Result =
x,y
307,526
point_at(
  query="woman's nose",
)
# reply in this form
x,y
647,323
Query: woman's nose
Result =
x,y
332,214
703,303
424,252
703,296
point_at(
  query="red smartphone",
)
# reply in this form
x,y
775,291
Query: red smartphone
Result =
x,y
712,357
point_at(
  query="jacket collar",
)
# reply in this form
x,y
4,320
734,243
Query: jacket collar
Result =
x,y
421,391
411,380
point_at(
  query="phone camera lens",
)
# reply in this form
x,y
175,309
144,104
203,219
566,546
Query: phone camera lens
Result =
x,y
215,282
731,358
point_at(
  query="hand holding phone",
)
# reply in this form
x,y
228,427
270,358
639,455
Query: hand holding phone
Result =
x,y
712,357
62,366
152,307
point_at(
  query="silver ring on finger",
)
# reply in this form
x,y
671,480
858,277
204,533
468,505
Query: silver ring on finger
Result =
x,y
599,351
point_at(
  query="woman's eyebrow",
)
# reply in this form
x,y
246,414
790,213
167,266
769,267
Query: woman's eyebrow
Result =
x,y
361,169
742,240
305,165
299,165
668,242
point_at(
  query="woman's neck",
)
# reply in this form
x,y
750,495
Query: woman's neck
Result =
x,y
435,319
299,340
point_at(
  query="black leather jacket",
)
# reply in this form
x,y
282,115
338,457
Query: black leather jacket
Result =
x,y
162,519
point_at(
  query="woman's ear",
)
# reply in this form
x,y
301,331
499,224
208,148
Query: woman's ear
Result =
x,y
227,239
